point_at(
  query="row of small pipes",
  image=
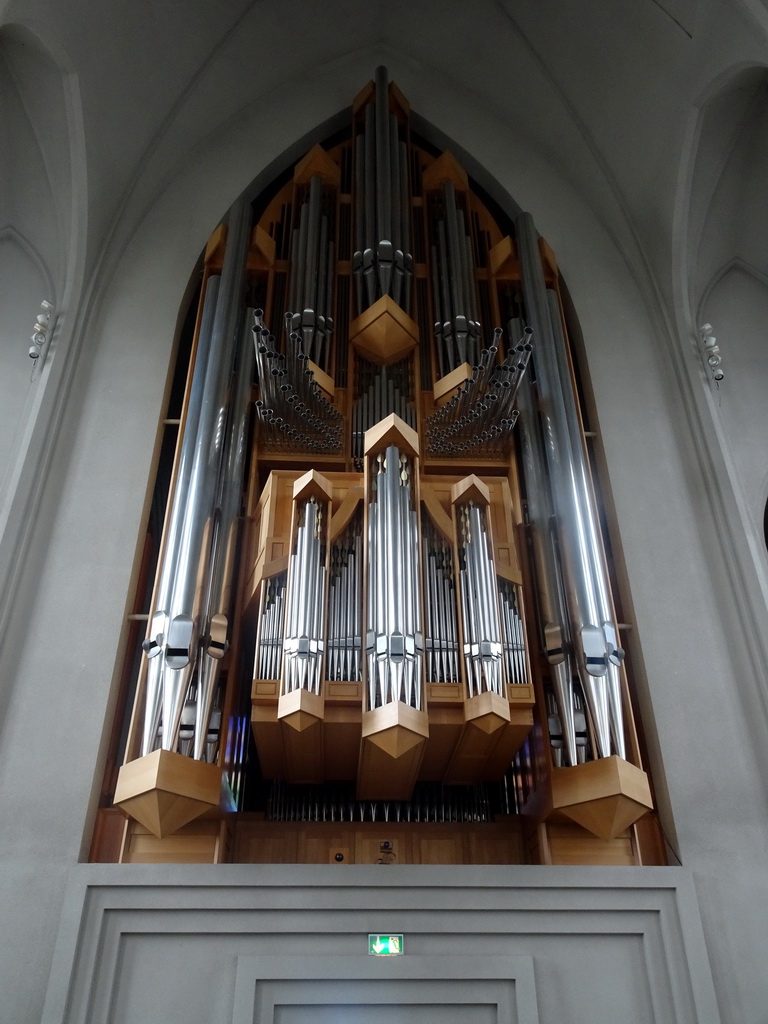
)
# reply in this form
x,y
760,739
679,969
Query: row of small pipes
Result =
x,y
513,632
440,624
458,332
482,412
269,646
310,296
382,263
387,392
431,802
345,593
292,407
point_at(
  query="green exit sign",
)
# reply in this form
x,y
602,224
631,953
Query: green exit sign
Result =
x,y
385,945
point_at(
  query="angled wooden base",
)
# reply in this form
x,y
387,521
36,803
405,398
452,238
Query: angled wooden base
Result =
x,y
491,736
301,714
383,333
164,790
604,796
393,738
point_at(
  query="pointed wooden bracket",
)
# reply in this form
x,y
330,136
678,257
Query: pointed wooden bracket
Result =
x,y
312,485
261,251
471,488
300,709
165,790
383,333
391,431
392,747
445,388
445,168
604,796
317,161
486,711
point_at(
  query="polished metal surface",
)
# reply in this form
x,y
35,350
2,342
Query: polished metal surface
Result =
x,y
294,414
482,646
593,631
394,640
345,597
194,510
481,415
305,610
382,263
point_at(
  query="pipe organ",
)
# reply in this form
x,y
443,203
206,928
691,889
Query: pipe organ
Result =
x,y
382,544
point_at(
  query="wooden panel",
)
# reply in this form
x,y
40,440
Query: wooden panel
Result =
x,y
274,846
319,848
262,842
571,844
267,734
342,740
432,849
503,531
484,848
108,836
445,728
196,843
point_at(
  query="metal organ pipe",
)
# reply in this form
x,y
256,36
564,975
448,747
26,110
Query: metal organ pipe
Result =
x,y
305,612
194,503
482,639
440,629
158,626
215,631
394,641
382,263
292,408
553,614
344,646
593,631
482,412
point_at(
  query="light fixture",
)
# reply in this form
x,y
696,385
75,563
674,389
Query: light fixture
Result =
x,y
43,326
712,352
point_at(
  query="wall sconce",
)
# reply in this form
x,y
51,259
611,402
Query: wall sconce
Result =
x,y
42,329
712,352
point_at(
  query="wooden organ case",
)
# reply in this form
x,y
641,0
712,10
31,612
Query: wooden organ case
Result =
x,y
381,553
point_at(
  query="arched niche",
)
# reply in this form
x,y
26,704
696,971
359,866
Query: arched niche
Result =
x,y
24,281
36,213
728,202
737,307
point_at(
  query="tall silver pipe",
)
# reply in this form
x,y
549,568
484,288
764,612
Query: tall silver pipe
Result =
x,y
306,608
158,628
194,499
593,629
216,617
394,641
551,598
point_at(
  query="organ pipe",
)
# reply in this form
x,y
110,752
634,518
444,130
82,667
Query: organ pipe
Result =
x,y
305,611
176,625
593,630
394,640
480,614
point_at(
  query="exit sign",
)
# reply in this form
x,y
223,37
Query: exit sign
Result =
x,y
385,945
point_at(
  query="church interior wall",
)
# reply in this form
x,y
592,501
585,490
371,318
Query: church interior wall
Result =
x,y
695,677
